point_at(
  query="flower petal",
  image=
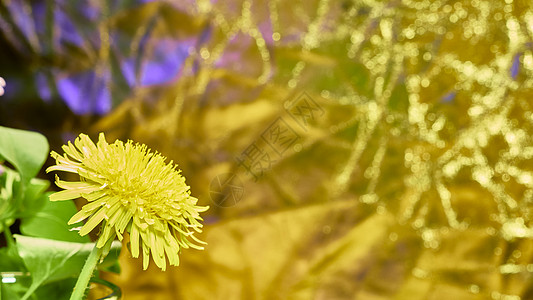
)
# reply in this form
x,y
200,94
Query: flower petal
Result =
x,y
93,206
65,195
93,196
106,235
157,248
146,256
66,168
134,240
94,220
79,185
72,151
79,216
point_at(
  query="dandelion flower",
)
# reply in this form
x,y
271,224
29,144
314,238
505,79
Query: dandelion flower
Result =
x,y
129,188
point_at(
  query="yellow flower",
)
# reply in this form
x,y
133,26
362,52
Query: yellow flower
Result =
x,y
129,188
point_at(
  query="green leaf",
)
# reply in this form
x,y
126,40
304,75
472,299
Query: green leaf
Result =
x,y
10,260
13,204
58,290
34,190
49,260
25,150
8,181
33,198
51,222
12,291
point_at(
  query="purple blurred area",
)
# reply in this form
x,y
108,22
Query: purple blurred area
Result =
x,y
160,65
86,92
515,67
59,45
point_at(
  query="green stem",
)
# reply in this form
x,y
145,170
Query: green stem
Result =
x,y
86,274
9,237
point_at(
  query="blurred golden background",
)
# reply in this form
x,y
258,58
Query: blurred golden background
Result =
x,y
347,149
